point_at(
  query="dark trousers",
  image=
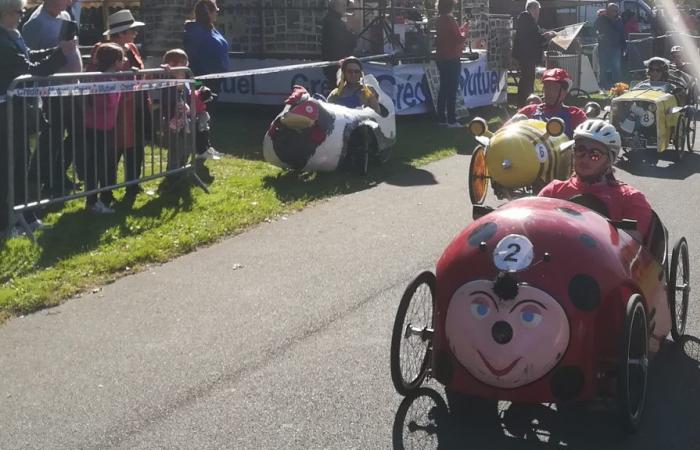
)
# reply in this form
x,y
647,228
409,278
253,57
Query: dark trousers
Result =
x,y
20,152
55,152
100,163
447,96
526,85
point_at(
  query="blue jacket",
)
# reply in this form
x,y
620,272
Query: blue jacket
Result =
x,y
206,49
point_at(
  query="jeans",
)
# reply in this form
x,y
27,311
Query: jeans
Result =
x,y
447,96
610,59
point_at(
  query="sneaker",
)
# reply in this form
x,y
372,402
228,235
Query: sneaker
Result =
x,y
454,125
36,225
100,208
209,153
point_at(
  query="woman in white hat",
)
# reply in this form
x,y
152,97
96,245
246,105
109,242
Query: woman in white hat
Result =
x,y
133,122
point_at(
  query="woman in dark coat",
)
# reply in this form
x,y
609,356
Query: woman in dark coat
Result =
x,y
16,60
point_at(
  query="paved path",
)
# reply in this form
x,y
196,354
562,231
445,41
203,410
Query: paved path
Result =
x,y
279,338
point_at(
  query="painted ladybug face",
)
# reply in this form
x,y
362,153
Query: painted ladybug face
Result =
x,y
506,344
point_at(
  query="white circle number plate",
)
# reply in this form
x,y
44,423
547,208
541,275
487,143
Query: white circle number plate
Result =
x,y
541,151
513,253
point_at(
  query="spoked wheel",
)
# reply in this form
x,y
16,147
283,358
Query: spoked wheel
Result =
x,y
679,289
679,141
478,176
691,130
633,365
411,338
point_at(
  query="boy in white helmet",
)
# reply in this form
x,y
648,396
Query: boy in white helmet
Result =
x,y
596,146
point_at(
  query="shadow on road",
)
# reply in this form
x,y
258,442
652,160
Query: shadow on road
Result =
x,y
671,420
689,165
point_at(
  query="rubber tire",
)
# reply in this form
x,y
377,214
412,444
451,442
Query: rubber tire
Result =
x,y
479,152
679,140
403,386
679,254
631,419
691,131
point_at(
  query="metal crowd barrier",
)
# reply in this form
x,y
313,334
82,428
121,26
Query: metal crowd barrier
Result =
x,y
60,145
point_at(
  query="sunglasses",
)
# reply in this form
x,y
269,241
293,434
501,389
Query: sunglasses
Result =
x,y
593,154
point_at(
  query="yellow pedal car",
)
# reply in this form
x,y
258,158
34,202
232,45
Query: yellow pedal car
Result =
x,y
518,160
655,115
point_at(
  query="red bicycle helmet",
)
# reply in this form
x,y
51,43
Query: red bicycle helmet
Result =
x,y
559,75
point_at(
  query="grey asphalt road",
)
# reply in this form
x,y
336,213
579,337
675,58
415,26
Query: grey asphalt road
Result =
x,y
279,338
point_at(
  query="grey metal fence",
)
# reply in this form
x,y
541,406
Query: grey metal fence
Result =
x,y
83,135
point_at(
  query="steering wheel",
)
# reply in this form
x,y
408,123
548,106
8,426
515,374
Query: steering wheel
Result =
x,y
592,202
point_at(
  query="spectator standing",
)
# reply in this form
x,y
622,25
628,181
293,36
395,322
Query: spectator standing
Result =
x,y
133,118
630,23
207,51
43,31
449,45
611,45
16,60
100,121
528,48
337,41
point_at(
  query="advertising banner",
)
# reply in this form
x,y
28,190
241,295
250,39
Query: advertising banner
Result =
x,y
406,84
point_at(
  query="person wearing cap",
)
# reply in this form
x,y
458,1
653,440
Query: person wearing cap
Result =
x,y
528,48
677,59
351,91
337,41
556,84
133,116
611,45
596,146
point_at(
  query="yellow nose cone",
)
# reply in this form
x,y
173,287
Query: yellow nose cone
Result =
x,y
512,158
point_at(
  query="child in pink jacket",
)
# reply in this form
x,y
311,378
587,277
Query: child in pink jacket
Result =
x,y
100,121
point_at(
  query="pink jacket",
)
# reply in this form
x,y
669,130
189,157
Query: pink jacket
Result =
x,y
101,111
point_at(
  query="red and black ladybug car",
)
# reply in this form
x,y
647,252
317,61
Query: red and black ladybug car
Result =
x,y
544,300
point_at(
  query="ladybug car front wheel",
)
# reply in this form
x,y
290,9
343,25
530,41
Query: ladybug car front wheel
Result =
x,y
411,337
633,364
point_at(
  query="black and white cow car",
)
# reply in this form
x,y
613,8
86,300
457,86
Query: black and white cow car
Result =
x,y
311,134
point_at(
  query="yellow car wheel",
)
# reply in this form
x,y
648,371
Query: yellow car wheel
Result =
x,y
478,176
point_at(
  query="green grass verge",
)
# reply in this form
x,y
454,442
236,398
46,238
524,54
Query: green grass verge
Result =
x,y
82,250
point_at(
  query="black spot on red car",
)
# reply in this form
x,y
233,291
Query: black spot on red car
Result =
x,y
584,292
482,233
567,382
588,241
570,212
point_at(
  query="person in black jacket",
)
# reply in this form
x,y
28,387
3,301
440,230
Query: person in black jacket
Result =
x,y
528,48
16,60
337,41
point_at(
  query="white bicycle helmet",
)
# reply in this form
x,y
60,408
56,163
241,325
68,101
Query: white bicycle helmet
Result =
x,y
603,132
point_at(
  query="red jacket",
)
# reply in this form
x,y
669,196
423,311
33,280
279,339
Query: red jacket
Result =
x,y
450,38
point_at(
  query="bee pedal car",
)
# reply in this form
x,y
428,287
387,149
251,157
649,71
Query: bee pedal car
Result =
x,y
543,300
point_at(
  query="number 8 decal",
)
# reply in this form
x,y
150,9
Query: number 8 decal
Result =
x,y
513,253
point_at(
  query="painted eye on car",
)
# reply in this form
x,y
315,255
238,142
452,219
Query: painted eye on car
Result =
x,y
480,310
530,317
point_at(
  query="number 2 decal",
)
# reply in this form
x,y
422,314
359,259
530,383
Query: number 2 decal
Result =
x,y
513,253
515,250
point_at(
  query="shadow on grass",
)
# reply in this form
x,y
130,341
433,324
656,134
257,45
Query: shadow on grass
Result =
x,y
80,231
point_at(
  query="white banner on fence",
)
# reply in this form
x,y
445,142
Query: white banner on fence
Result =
x,y
406,84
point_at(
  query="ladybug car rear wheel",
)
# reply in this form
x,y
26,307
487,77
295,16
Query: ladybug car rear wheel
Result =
x,y
411,337
678,288
633,364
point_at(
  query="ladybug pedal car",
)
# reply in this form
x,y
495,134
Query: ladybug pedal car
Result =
x,y
544,301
